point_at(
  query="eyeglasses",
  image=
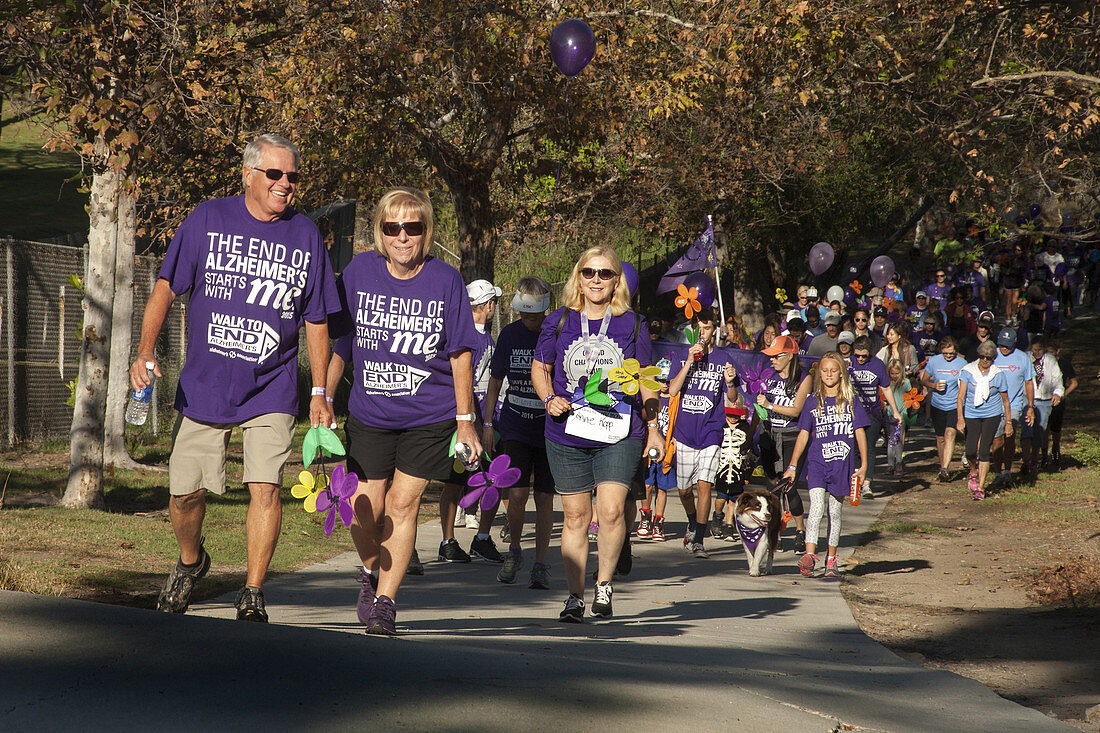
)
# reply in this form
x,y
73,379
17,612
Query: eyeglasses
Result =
x,y
274,174
393,228
948,354
862,357
589,273
985,358
861,320
940,277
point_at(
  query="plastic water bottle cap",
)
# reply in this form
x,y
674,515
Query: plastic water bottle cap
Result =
x,y
150,365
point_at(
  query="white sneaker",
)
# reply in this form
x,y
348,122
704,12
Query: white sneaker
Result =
x,y
460,517
867,493
471,521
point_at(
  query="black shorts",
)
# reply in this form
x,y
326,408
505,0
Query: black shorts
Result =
x,y
943,419
421,452
1057,415
532,463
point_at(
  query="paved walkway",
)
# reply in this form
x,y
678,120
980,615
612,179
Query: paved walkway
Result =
x,y
694,644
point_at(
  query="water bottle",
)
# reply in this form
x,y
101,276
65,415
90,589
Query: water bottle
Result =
x,y
652,454
465,455
854,490
137,410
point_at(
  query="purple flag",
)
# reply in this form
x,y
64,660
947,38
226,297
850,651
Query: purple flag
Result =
x,y
700,255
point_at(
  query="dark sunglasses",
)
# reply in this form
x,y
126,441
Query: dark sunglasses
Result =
x,y
393,228
987,358
589,273
862,357
274,174
861,320
948,354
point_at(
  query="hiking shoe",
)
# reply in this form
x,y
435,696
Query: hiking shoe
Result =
x,y
540,576
451,551
645,525
658,529
601,606
513,561
383,617
715,525
806,564
593,531
729,533
505,532
486,550
799,542
250,605
415,566
573,613
697,550
175,597
831,570
943,476
366,596
626,560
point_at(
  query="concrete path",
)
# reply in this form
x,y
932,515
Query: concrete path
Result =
x,y
695,644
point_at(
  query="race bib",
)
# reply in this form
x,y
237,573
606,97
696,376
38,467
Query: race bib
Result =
x,y
600,424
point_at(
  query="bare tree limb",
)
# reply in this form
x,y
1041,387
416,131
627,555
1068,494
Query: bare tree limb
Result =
x,y
649,14
1067,75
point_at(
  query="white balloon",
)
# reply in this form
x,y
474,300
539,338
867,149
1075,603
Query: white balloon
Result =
x,y
835,293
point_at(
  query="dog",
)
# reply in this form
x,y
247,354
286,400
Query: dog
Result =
x,y
758,520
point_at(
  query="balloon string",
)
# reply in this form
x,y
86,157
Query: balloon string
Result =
x,y
557,177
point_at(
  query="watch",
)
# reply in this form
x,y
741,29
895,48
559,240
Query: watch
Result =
x,y
468,417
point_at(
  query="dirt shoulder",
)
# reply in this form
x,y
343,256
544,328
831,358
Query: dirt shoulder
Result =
x,y
1005,591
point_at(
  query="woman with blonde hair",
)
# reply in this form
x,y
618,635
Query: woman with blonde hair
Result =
x,y
594,443
831,427
409,337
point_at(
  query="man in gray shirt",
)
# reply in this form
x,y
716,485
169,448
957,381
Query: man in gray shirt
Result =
x,y
826,342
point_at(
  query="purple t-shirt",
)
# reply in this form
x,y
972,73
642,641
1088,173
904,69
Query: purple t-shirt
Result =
x,y
867,378
481,357
938,292
701,414
404,333
252,285
522,414
775,388
832,455
915,315
571,370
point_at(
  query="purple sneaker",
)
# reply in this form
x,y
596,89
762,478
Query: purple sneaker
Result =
x,y
383,617
366,597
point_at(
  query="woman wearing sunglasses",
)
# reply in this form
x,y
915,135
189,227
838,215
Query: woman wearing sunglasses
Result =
x,y
982,403
595,429
408,336
940,377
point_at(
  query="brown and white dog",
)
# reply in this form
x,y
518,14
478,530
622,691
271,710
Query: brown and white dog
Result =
x,y
758,520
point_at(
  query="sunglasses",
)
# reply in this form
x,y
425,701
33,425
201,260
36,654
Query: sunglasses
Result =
x,y
274,174
985,358
861,320
862,357
948,354
393,228
589,273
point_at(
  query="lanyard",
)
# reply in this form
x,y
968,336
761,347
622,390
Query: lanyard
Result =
x,y
592,350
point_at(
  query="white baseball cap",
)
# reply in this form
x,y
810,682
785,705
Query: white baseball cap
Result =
x,y
482,291
528,303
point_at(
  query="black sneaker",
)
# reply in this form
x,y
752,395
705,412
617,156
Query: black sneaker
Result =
x,y
601,606
451,551
415,566
486,550
250,605
383,617
729,533
715,526
626,560
513,561
573,613
799,542
175,597
540,577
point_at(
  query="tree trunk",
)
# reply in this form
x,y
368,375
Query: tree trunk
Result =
x,y
115,453
477,239
85,486
749,282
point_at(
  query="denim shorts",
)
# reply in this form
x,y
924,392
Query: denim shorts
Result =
x,y
577,470
1042,419
1017,421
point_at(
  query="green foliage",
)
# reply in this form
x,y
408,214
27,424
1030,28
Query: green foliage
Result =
x,y
1088,449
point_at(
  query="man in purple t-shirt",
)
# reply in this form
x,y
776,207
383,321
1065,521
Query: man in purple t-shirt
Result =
x,y
871,384
256,271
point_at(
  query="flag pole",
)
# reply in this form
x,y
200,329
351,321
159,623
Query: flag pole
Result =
x,y
717,279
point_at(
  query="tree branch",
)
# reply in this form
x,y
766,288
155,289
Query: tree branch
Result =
x,y
1067,75
650,14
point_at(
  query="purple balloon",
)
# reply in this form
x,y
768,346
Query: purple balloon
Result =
x,y
702,282
850,298
821,257
631,276
572,46
882,269
1034,210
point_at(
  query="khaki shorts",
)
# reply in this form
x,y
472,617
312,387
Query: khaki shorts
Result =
x,y
198,452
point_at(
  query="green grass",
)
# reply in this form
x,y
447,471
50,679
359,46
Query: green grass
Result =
x,y
907,528
40,196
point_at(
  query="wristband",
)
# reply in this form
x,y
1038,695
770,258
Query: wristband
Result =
x,y
652,424
468,417
488,423
546,400
792,468
318,392
330,399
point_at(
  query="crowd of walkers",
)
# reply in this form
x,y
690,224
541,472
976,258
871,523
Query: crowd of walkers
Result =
x,y
592,402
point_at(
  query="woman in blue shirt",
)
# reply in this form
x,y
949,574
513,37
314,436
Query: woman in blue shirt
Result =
x,y
980,413
940,377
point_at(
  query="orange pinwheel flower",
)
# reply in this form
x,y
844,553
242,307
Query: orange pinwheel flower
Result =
x,y
889,304
912,399
857,286
688,300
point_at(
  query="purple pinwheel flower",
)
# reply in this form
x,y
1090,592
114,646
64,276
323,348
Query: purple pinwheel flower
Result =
x,y
754,375
336,499
486,485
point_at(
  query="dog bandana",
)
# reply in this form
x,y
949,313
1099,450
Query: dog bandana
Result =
x,y
750,536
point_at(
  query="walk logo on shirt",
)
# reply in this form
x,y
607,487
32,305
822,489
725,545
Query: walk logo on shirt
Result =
x,y
835,450
273,275
238,337
387,377
607,355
